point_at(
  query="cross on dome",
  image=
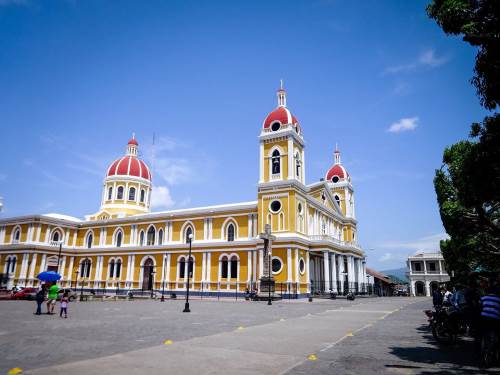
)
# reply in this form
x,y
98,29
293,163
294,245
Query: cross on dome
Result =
x,y
281,95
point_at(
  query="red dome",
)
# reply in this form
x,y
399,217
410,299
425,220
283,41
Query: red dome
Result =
x,y
336,170
133,142
281,114
129,166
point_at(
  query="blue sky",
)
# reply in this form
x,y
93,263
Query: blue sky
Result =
x,y
380,78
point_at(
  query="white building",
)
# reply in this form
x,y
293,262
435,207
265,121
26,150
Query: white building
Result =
x,y
425,272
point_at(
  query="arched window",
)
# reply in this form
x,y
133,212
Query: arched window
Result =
x,y
118,268
181,267
85,267
337,198
230,232
234,267
143,195
141,238
110,193
55,236
276,161
224,267
119,237
111,268
160,237
297,165
119,192
189,234
90,240
17,235
151,236
131,194
10,264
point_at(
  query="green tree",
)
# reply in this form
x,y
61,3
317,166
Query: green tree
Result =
x,y
468,183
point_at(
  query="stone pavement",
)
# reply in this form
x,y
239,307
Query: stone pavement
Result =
x,y
384,335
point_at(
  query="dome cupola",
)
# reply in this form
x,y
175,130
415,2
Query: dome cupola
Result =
x,y
280,118
127,185
337,172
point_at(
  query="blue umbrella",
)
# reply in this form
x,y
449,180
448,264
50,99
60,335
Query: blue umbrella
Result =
x,y
49,276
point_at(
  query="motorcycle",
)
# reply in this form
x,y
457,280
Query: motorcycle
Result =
x,y
490,348
446,324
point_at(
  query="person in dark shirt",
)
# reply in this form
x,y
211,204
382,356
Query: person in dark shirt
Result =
x,y
437,298
40,298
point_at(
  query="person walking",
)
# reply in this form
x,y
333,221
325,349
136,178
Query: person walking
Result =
x,y
40,297
64,305
437,298
52,297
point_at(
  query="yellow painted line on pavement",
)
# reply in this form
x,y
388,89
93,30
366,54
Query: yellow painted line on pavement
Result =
x,y
312,357
14,371
240,328
168,342
349,334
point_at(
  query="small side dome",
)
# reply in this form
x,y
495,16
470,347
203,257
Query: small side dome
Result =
x,y
281,116
337,172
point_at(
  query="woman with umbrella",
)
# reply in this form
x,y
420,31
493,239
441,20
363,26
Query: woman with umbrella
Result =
x,y
51,277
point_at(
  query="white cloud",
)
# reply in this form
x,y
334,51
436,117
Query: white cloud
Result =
x,y
161,198
405,124
392,257
429,58
173,170
426,59
423,244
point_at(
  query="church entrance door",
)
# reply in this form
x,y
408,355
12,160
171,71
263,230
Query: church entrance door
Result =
x,y
147,274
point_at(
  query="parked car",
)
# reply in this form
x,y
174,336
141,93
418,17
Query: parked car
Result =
x,y
25,293
72,294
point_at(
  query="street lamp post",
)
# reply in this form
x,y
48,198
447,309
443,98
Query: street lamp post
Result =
x,y
186,305
76,278
59,255
163,281
152,276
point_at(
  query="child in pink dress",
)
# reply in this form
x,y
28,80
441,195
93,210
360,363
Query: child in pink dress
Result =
x,y
64,305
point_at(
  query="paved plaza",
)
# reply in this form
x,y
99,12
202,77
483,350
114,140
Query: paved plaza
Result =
x,y
369,335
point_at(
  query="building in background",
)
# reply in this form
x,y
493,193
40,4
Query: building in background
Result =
x,y
124,246
382,285
425,272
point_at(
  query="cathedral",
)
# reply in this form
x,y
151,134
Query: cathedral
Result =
x,y
125,247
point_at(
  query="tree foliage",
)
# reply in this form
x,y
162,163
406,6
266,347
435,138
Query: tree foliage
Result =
x,y
477,21
468,183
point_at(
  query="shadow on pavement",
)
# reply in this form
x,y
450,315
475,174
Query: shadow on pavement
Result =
x,y
460,358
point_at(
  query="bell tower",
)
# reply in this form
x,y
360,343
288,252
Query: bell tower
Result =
x,y
281,145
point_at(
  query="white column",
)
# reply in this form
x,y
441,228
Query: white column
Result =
x,y
249,266
209,268
261,169
425,267
427,288
43,263
75,235
132,266
412,288
62,268
261,263
296,265
69,276
31,274
307,273
303,158
326,269
24,268
289,265
440,268
167,270
334,273
341,273
254,268
250,225
290,158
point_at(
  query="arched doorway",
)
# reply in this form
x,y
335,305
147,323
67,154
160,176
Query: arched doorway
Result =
x,y
419,288
433,286
147,274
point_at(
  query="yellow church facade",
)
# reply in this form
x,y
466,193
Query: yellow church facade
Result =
x,y
126,247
